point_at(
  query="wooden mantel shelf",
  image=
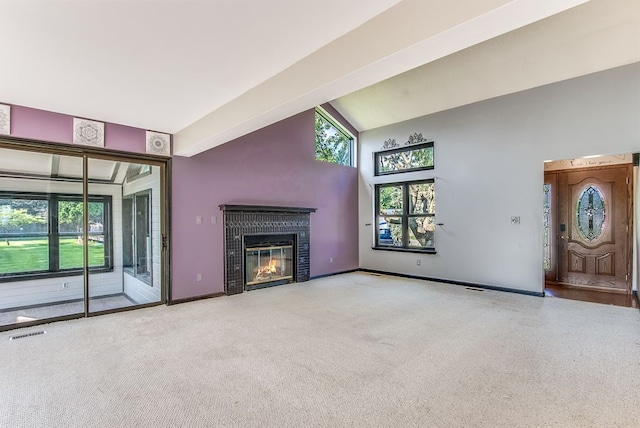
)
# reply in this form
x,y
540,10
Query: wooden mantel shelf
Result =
x,y
266,208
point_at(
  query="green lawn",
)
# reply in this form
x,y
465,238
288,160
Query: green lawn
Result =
x,y
33,255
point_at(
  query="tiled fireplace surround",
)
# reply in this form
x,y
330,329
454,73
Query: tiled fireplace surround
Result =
x,y
248,220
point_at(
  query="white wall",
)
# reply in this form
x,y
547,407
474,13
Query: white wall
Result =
x,y
489,166
49,290
135,289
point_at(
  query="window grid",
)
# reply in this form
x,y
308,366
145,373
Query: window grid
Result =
x,y
417,228
53,233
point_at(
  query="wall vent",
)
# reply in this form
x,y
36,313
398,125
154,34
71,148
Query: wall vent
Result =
x,y
35,333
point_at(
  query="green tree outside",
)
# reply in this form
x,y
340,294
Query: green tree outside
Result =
x,y
331,144
70,215
12,220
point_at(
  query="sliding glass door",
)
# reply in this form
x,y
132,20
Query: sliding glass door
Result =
x,y
41,248
128,232
79,234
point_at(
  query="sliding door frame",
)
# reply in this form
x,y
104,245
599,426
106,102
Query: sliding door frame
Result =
x,y
87,153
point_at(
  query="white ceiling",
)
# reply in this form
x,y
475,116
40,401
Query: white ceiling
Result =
x,y
595,36
209,71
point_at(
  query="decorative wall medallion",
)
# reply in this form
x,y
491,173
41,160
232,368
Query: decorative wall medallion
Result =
x,y
158,143
88,132
390,144
5,119
415,139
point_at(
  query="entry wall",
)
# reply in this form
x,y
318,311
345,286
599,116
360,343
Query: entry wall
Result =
x,y
489,167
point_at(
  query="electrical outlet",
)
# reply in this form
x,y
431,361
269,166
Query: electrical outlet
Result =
x,y
65,285
198,277
418,262
199,219
515,220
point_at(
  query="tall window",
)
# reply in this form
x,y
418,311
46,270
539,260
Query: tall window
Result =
x,y
42,234
136,228
405,213
333,142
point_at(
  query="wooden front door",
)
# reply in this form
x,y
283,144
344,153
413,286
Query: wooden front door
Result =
x,y
594,228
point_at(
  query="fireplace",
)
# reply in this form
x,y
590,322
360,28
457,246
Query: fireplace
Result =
x,y
265,246
268,260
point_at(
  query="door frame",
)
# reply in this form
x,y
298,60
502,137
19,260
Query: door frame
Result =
x,y
86,153
551,276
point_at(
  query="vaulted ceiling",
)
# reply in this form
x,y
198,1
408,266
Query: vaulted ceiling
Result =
x,y
209,71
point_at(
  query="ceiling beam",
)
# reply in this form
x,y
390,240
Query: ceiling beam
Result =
x,y
408,35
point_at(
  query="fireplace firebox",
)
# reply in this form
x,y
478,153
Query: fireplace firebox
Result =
x,y
265,246
265,266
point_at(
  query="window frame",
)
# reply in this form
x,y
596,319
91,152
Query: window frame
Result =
x,y
132,270
405,215
413,147
53,235
343,130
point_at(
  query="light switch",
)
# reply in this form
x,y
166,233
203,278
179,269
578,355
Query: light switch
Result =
x,y
214,219
199,219
515,220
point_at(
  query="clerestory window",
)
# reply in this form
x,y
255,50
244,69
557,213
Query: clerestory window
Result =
x,y
333,142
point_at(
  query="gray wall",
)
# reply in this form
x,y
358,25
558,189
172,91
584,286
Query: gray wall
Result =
x,y
489,166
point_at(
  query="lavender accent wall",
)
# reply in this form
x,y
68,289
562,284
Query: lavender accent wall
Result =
x,y
43,125
273,166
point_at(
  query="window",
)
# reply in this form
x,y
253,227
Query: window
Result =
x,y
333,143
136,229
404,159
42,234
136,171
405,214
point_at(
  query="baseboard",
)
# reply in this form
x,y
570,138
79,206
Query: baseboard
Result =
x,y
334,273
463,283
193,299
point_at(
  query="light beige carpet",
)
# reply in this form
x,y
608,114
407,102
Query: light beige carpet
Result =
x,y
351,350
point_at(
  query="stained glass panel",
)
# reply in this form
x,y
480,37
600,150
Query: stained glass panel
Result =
x,y
590,214
546,227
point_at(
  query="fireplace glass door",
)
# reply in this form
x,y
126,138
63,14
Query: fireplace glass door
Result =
x,y
268,265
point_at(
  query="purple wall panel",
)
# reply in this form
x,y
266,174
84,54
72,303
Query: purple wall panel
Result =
x,y
273,166
43,125
125,138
